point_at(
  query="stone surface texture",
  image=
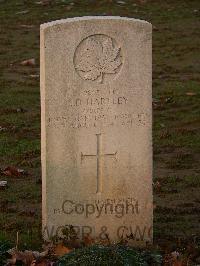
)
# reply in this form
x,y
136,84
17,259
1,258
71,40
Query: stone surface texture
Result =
x,y
96,105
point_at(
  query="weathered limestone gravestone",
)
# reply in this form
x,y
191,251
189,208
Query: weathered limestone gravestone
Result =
x,y
96,127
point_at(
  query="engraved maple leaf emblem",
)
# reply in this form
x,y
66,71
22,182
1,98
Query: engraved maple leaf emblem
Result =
x,y
98,58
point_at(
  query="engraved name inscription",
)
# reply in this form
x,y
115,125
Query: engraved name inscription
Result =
x,y
94,108
98,101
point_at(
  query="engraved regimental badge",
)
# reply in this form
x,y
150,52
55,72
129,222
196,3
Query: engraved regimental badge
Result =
x,y
98,58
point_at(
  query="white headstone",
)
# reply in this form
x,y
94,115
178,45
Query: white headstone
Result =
x,y
96,127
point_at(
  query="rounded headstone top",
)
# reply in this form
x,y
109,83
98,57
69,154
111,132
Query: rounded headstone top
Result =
x,y
93,18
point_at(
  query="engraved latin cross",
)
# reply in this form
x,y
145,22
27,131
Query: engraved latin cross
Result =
x,y
99,156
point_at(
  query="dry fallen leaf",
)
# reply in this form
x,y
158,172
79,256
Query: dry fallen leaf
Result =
x,y
68,8
121,2
190,93
27,26
27,257
157,186
88,240
23,12
3,183
60,250
175,259
3,128
34,76
155,28
44,2
28,62
28,212
44,262
13,171
142,1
